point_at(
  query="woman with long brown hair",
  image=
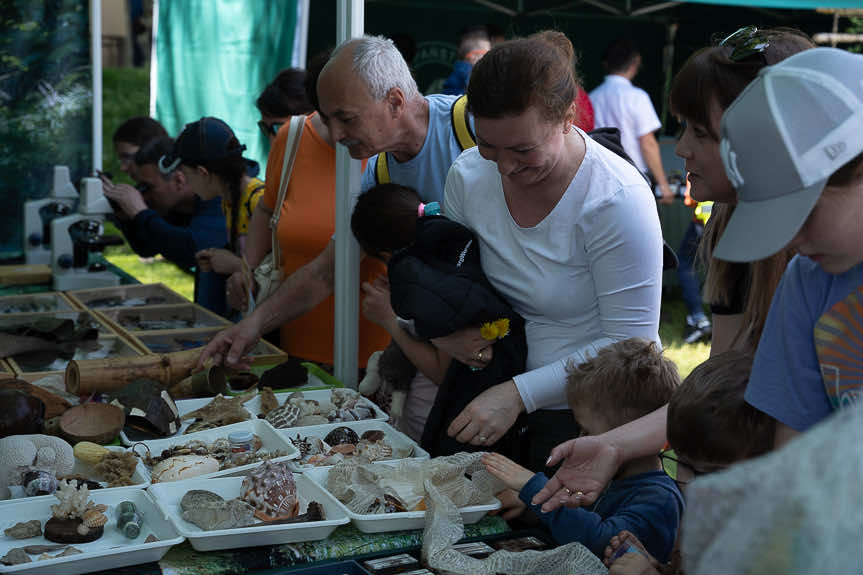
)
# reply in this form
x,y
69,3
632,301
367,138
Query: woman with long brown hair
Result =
x,y
706,85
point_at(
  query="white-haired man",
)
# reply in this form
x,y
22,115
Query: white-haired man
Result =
x,y
371,105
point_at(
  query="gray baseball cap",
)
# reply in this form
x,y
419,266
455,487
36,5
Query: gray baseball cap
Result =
x,y
795,125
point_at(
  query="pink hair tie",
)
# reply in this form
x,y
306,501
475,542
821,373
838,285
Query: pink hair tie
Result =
x,y
420,210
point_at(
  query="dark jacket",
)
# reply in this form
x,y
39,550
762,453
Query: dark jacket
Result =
x,y
438,283
649,505
178,237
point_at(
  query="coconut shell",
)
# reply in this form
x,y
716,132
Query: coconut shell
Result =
x,y
96,422
66,531
20,414
54,404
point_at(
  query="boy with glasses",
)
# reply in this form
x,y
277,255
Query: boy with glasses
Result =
x,y
624,381
710,426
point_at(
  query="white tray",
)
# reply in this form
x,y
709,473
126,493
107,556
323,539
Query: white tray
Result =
x,y
396,438
383,522
270,438
110,551
140,479
168,496
253,406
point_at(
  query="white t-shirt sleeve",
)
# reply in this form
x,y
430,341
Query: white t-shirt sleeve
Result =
x,y
644,115
623,241
453,206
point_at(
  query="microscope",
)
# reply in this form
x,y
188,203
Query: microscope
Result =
x,y
38,215
74,236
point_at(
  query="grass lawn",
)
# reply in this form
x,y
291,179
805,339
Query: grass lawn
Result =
x,y
126,94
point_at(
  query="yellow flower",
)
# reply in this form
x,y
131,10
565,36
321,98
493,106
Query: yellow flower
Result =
x,y
495,329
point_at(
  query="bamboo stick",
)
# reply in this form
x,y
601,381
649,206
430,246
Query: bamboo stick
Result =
x,y
100,375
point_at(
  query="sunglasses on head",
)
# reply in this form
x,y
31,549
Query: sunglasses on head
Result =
x,y
270,129
745,43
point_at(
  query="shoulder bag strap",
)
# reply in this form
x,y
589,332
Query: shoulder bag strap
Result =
x,y
292,144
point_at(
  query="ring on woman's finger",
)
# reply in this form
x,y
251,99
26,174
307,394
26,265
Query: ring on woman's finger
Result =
x,y
478,355
483,438
568,490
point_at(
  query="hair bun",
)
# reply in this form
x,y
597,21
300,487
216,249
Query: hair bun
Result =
x,y
559,41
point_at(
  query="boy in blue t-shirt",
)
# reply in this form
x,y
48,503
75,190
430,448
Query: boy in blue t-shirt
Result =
x,y
792,145
624,381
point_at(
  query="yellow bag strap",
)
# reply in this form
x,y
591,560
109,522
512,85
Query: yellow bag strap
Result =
x,y
460,127
382,169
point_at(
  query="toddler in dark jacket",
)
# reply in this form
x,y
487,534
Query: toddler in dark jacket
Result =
x,y
624,381
436,283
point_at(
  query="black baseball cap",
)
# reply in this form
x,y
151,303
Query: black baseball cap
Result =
x,y
200,142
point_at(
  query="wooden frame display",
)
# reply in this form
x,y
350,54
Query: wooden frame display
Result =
x,y
39,302
150,318
116,297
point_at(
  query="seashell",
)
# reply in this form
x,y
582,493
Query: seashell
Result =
x,y
356,413
344,398
183,467
94,518
373,435
44,556
69,551
15,556
199,498
375,451
25,530
214,515
308,446
342,435
268,400
38,549
39,482
200,426
284,416
311,420
270,488
343,448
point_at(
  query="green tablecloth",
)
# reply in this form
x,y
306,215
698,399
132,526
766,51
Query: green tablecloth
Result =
x,y
345,541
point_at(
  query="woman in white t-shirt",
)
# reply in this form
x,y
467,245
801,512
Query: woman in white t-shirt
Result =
x,y
568,232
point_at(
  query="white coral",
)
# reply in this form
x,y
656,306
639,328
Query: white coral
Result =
x,y
19,452
73,501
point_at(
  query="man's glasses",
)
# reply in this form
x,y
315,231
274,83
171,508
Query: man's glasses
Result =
x,y
270,129
745,43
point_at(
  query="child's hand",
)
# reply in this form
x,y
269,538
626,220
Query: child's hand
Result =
x,y
511,473
218,260
632,563
376,305
511,505
623,544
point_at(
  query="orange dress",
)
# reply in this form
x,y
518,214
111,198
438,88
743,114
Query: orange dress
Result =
x,y
306,226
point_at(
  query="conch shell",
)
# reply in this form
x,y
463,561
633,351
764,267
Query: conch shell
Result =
x,y
270,488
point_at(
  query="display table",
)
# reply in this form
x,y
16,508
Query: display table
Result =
x,y
125,279
346,541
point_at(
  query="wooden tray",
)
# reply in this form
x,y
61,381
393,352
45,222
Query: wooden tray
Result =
x,y
142,294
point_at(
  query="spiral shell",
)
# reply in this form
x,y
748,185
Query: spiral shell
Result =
x,y
284,416
94,518
342,435
270,488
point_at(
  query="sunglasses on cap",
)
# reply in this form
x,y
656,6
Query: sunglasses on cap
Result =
x,y
745,43
270,129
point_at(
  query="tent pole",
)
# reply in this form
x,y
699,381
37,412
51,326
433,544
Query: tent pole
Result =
x,y
349,24
667,68
96,67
